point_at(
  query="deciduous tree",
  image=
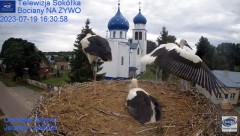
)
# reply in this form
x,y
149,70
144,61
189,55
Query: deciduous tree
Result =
x,y
19,54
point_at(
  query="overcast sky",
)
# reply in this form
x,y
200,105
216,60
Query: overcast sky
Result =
x,y
218,20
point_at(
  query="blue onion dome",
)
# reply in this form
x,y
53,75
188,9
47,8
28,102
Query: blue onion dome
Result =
x,y
118,22
139,18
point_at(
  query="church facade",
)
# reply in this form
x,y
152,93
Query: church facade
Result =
x,y
125,55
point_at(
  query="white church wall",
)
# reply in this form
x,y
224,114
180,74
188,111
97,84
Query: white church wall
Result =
x,y
142,41
123,60
115,69
118,36
139,26
138,64
110,67
133,58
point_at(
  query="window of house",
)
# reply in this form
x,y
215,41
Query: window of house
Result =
x,y
232,96
226,96
140,35
136,35
114,34
219,96
138,51
120,34
122,60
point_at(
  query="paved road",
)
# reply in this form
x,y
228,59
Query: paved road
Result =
x,y
17,101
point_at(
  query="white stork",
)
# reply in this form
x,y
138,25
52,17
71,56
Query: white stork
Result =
x,y
96,47
142,106
186,65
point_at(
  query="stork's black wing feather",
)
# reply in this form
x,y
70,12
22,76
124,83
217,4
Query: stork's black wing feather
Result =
x,y
189,67
140,107
99,46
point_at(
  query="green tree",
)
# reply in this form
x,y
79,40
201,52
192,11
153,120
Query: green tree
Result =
x,y
81,70
220,62
209,54
150,46
232,53
19,54
202,46
205,51
163,39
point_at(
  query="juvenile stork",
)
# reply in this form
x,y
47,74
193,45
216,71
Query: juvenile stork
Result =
x,y
185,65
96,47
142,106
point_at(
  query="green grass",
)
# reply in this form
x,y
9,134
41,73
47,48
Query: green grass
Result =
x,y
2,126
56,81
31,87
237,68
9,83
147,75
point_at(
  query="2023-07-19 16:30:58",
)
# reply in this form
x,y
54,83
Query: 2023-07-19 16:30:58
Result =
x,y
12,19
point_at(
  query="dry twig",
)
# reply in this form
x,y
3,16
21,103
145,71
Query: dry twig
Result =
x,y
146,130
112,113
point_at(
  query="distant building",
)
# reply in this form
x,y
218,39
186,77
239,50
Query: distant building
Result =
x,y
232,82
61,63
125,55
51,57
44,67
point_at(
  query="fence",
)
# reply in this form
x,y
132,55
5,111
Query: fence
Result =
x,y
43,86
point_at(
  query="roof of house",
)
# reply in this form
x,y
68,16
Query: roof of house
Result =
x,y
133,45
229,78
60,59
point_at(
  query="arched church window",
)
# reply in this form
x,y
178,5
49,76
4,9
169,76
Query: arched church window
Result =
x,y
136,35
138,51
122,60
145,36
140,35
114,34
120,34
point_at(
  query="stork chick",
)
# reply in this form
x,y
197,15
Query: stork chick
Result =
x,y
142,106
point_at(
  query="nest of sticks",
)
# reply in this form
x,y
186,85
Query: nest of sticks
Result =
x,y
81,112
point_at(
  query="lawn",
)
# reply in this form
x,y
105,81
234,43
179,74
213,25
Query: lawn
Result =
x,y
9,83
237,68
147,75
56,81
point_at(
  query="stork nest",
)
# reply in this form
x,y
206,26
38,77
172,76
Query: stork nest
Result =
x,y
81,112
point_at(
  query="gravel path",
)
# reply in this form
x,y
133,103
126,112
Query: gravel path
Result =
x,y
17,101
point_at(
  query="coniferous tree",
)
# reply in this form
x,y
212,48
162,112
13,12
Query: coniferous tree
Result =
x,y
81,70
150,46
163,39
208,53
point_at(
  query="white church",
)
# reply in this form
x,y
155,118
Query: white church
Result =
x,y
125,55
